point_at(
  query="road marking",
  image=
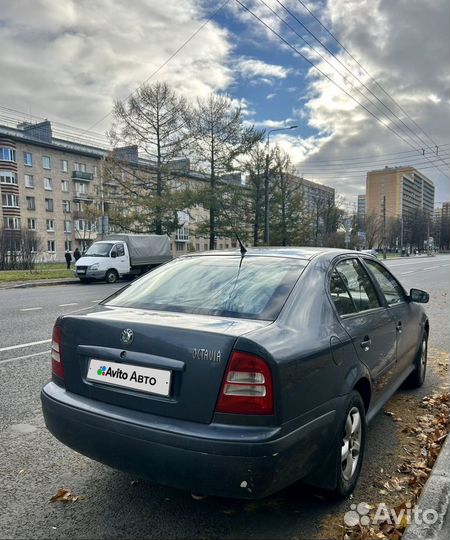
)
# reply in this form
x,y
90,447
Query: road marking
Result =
x,y
30,309
410,272
8,360
95,301
22,345
72,304
402,263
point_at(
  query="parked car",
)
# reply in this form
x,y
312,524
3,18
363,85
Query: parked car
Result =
x,y
236,375
121,255
373,252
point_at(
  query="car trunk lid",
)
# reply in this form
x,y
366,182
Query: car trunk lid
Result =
x,y
190,351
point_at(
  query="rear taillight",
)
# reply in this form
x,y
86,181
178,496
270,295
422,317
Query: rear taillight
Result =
x,y
247,387
56,353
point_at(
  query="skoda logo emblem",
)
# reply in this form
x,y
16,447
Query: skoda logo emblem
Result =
x,y
127,336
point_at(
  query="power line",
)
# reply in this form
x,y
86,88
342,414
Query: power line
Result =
x,y
411,153
365,71
350,72
156,71
343,167
352,85
353,174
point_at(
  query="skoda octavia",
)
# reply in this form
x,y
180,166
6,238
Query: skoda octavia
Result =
x,y
237,374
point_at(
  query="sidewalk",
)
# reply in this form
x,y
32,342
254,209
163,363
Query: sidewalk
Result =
x,y
435,496
37,283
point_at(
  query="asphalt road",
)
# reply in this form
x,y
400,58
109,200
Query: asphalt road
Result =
x,y
33,465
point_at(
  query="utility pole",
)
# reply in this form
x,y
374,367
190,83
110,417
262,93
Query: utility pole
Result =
x,y
384,226
401,235
266,183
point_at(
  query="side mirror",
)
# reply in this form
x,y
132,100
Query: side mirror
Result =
x,y
113,254
416,295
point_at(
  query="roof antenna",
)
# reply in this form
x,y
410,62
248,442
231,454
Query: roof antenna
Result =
x,y
242,248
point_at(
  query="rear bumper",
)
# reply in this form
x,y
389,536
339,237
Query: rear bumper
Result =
x,y
215,459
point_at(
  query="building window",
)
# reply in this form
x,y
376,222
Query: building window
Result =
x,y
29,181
8,177
80,167
32,224
67,226
68,245
7,154
65,185
28,159
95,170
179,246
10,201
12,223
48,184
66,206
64,165
49,205
51,246
31,203
50,225
46,162
80,188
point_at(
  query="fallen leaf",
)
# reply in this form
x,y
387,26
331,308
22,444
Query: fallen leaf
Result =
x,y
64,495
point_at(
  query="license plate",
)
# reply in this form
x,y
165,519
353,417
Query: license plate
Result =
x,y
81,271
149,380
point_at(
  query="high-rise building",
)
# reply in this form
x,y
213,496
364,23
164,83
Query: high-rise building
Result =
x,y
361,210
399,193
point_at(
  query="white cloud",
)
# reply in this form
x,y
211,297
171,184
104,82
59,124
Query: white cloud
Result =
x,y
253,68
401,46
69,60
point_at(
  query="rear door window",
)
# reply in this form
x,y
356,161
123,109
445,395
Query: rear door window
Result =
x,y
357,285
389,286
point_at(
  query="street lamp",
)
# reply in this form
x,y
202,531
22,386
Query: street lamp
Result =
x,y
266,183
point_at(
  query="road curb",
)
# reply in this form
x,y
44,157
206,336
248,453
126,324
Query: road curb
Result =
x,y
435,496
43,283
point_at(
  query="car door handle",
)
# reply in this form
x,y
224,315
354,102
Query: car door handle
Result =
x,y
399,327
365,343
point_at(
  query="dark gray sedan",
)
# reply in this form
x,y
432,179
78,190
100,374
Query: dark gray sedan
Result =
x,y
236,375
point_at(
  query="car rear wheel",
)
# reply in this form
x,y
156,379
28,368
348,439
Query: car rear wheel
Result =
x,y
417,377
350,446
111,276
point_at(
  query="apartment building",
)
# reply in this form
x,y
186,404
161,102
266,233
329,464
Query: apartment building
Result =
x,y
315,194
46,184
399,192
55,187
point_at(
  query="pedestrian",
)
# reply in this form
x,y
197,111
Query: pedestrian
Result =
x,y
68,258
76,254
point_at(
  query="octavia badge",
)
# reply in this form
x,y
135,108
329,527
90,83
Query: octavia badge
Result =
x,y
127,336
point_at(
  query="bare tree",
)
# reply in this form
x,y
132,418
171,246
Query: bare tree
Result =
x,y
288,224
152,121
373,227
254,166
18,249
218,138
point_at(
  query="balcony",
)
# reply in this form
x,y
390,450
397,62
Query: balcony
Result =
x,y
83,176
79,196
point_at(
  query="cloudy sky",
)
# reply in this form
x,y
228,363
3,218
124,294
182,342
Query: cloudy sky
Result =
x,y
386,104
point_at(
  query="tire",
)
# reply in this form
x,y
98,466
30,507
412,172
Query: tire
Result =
x,y
111,276
417,377
350,446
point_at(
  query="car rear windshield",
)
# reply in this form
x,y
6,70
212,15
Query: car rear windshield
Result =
x,y
254,287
